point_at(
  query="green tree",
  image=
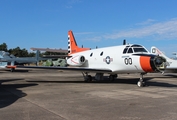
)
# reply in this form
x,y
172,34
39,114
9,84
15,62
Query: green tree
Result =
x,y
3,47
31,54
19,52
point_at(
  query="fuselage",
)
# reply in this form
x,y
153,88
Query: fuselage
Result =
x,y
120,59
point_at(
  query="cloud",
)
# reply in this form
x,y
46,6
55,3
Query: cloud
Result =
x,y
69,6
84,33
147,22
94,39
166,29
87,36
71,3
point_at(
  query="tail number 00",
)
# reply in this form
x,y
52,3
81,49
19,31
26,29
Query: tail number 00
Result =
x,y
128,61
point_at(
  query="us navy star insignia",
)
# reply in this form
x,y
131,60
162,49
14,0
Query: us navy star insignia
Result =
x,y
108,60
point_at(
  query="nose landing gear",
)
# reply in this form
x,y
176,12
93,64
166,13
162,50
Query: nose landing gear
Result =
x,y
141,82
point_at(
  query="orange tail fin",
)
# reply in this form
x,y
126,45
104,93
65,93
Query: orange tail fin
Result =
x,y
72,45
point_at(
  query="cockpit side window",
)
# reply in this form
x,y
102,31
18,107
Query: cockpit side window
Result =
x,y
125,50
130,50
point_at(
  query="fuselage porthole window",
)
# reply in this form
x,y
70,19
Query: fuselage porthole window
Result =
x,y
91,54
101,53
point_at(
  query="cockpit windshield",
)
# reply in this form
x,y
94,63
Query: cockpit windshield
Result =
x,y
139,50
134,49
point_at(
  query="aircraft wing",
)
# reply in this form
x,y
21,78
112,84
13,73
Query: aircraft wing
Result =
x,y
82,69
55,56
50,50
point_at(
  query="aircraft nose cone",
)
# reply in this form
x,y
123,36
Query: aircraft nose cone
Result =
x,y
159,63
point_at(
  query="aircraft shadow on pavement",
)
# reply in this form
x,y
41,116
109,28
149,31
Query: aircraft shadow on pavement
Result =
x,y
171,75
161,84
9,93
17,70
10,80
148,81
74,80
106,81
166,76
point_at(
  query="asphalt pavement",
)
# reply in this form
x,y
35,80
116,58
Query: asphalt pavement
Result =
x,y
63,95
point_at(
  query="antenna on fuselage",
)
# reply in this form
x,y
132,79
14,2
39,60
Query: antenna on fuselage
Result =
x,y
124,42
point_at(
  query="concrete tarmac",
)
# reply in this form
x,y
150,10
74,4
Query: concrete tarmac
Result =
x,y
63,95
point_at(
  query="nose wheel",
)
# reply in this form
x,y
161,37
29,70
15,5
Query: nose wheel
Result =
x,y
141,82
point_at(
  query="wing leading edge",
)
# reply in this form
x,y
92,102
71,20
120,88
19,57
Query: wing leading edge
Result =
x,y
81,69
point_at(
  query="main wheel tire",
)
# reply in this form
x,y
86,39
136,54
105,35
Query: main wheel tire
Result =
x,y
140,84
12,69
111,78
88,78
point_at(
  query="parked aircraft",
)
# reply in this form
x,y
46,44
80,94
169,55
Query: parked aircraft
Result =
x,y
50,62
5,65
171,64
58,62
127,58
7,60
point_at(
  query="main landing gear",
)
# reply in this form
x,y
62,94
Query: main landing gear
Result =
x,y
98,77
112,77
141,82
12,69
87,78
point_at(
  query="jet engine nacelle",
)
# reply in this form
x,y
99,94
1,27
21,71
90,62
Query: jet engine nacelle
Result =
x,y
78,60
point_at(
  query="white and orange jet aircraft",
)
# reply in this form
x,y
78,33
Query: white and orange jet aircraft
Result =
x,y
127,58
171,64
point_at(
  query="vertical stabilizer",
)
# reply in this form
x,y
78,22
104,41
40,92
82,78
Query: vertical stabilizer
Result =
x,y
72,45
156,51
37,57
